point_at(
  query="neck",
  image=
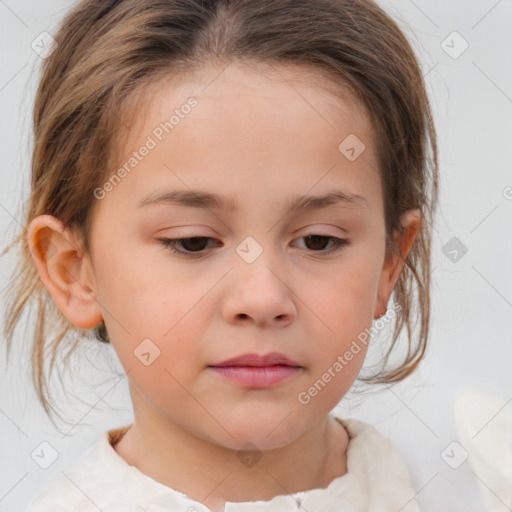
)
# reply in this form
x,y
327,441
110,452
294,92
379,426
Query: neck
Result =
x,y
170,455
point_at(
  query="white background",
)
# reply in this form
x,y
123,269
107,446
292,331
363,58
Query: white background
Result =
x,y
471,338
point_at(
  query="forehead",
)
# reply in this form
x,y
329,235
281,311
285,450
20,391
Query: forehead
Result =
x,y
273,128
287,91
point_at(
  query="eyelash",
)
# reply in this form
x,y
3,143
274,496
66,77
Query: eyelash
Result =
x,y
171,243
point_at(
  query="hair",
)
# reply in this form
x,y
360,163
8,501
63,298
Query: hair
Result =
x,y
109,53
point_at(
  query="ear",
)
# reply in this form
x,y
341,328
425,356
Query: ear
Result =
x,y
64,270
394,263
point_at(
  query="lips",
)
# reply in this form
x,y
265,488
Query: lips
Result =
x,y
257,371
252,359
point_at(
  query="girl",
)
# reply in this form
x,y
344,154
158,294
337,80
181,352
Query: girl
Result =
x,y
229,192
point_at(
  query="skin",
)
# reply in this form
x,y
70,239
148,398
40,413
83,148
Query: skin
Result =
x,y
261,138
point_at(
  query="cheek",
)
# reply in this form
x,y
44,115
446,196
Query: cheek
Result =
x,y
167,329
138,285
345,298
141,301
343,314
161,354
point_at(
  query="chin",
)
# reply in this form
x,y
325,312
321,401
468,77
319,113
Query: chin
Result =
x,y
264,433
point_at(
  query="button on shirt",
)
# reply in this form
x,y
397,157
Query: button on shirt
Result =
x,y
100,480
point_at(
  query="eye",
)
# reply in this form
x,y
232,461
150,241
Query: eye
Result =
x,y
319,240
195,246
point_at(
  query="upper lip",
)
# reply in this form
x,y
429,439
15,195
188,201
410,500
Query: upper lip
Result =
x,y
252,359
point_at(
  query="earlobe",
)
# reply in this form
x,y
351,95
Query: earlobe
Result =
x,y
394,263
64,270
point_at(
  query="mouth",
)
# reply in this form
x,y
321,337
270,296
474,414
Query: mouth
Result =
x,y
257,371
271,359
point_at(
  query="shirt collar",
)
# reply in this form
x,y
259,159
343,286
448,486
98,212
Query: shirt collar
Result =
x,y
351,489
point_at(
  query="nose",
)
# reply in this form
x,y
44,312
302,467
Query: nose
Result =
x,y
257,294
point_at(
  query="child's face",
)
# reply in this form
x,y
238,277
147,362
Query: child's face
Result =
x,y
262,143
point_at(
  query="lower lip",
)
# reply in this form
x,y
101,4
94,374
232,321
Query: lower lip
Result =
x,y
257,376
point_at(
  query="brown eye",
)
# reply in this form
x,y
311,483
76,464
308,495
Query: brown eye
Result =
x,y
192,245
317,243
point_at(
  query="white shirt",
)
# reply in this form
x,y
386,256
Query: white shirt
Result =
x,y
101,480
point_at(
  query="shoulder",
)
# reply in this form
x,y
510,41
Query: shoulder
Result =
x,y
88,484
373,459
366,441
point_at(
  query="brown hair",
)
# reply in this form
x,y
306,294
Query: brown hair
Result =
x,y
108,53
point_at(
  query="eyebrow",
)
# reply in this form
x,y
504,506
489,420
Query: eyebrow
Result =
x,y
208,200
